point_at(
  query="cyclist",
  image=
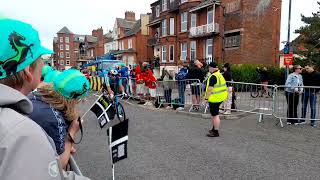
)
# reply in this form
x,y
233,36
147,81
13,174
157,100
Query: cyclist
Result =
x,y
113,83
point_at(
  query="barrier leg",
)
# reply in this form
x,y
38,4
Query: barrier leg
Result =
x,y
260,118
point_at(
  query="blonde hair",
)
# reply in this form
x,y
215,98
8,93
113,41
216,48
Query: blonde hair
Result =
x,y
66,106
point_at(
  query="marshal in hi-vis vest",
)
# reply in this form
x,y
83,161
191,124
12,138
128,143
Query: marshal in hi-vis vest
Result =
x,y
219,92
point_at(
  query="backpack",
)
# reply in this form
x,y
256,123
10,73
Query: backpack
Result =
x,y
182,74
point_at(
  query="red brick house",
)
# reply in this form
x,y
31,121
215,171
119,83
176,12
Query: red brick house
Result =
x,y
72,50
132,38
212,30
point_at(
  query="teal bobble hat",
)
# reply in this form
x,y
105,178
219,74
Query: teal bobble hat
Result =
x,y
46,70
20,46
51,76
71,84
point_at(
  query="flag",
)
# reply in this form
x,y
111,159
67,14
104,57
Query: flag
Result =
x,y
119,141
103,110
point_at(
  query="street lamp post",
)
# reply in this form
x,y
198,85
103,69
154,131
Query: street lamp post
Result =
x,y
288,39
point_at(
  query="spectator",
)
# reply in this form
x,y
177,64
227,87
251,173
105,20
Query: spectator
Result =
x,y
181,77
62,119
264,79
310,78
133,81
216,93
124,74
227,74
292,91
27,152
167,78
196,74
152,87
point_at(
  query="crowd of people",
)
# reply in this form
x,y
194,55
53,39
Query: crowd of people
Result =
x,y
294,90
38,116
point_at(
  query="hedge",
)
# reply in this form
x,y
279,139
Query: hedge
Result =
x,y
248,73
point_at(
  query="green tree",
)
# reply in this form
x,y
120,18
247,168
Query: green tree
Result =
x,y
310,37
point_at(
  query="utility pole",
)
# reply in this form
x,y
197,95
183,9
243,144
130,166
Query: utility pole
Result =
x,y
288,39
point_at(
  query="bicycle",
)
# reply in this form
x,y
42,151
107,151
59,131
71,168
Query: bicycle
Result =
x,y
116,105
258,91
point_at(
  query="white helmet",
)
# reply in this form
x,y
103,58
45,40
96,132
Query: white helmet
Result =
x,y
114,72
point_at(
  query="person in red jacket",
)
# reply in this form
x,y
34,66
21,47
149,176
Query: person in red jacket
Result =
x,y
140,77
151,85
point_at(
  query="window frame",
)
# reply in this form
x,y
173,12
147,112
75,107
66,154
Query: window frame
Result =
x,y
164,31
164,54
184,22
61,55
184,51
171,46
67,40
171,28
164,5
193,50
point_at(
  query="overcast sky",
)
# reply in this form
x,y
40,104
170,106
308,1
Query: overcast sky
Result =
x,y
81,16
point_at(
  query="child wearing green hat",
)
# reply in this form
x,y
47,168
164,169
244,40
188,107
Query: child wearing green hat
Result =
x,y
56,100
25,146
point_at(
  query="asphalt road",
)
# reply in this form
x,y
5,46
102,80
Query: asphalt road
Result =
x,y
167,145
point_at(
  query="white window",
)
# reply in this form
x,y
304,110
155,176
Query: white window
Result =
x,y
130,44
61,46
184,22
67,47
61,39
193,20
171,26
91,52
210,16
67,55
184,47
193,50
164,27
164,53
209,46
61,62
61,55
184,1
164,5
68,63
66,39
171,53
232,40
157,11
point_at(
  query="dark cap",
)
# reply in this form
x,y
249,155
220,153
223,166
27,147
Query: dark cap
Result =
x,y
226,65
213,64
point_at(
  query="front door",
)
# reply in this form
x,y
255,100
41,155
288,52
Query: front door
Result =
x,y
209,50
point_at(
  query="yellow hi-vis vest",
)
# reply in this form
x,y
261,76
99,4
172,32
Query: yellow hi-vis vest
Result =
x,y
219,92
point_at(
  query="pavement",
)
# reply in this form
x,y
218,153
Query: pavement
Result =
x,y
164,144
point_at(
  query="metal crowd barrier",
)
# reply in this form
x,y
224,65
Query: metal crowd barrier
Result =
x,y
185,93
74,166
297,104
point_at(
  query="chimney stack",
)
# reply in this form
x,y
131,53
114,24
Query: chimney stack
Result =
x,y
130,16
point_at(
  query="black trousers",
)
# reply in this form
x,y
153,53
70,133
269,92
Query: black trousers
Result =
x,y
292,102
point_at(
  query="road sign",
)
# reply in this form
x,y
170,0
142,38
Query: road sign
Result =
x,y
288,59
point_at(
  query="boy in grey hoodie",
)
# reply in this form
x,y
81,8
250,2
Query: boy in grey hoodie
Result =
x,y
26,152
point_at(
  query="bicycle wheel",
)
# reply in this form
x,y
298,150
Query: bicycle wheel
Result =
x,y
120,112
254,91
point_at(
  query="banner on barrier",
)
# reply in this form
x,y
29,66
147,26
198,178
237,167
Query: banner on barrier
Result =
x,y
119,141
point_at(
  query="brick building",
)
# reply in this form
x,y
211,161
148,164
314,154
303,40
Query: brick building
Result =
x,y
211,30
73,50
131,36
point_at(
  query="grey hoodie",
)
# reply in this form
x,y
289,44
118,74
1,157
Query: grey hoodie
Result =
x,y
26,151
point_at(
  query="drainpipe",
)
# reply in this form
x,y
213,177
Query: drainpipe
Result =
x,y
222,34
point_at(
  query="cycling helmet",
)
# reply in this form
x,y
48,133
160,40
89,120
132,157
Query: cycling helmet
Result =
x,y
114,72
